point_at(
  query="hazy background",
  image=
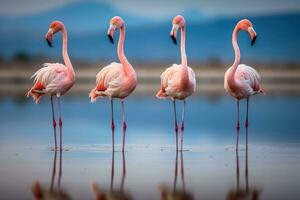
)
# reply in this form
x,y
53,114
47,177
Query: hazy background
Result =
x,y
210,162
209,28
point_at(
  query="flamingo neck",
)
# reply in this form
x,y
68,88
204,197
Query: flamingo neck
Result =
x,y
65,54
184,74
236,62
123,60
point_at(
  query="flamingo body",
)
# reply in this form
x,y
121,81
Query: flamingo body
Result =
x,y
173,86
51,79
247,82
113,82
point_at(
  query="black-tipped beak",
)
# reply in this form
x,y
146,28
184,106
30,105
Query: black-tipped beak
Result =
x,y
174,39
253,40
49,42
111,39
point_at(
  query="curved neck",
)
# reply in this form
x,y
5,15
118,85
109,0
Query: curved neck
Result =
x,y
184,74
236,52
65,52
123,60
182,47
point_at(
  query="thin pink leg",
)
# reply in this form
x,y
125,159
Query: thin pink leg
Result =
x,y
182,125
175,122
124,125
237,125
246,123
112,124
59,122
54,124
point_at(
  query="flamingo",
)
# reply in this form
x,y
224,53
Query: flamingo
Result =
x,y
178,81
242,81
117,80
54,79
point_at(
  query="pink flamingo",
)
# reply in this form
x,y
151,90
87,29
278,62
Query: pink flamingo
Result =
x,y
54,79
117,80
178,81
242,81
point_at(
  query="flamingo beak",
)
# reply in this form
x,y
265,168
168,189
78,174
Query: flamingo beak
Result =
x,y
173,33
49,37
110,33
253,35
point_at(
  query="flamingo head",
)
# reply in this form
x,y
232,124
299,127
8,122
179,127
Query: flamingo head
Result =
x,y
55,26
178,22
115,23
246,25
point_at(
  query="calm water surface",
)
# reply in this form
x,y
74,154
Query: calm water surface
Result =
x,y
209,168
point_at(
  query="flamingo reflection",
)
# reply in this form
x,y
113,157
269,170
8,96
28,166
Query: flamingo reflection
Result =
x,y
174,193
243,193
54,193
112,193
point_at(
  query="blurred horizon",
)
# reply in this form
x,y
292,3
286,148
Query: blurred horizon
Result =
x,y
209,29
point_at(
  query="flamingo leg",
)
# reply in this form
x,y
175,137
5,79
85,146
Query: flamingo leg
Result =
x,y
175,122
54,124
237,125
124,125
246,123
59,122
182,124
112,124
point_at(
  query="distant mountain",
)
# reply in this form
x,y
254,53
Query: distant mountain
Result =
x,y
147,39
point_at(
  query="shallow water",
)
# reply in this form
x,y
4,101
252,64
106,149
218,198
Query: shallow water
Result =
x,y
209,168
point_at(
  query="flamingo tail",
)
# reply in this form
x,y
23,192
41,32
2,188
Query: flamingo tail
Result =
x,y
161,94
94,94
35,95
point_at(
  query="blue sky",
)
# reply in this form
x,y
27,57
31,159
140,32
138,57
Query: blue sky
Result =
x,y
159,8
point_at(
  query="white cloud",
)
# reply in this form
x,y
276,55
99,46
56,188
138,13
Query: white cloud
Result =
x,y
161,8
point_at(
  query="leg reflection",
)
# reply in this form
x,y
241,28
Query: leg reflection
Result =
x,y
175,193
112,193
243,192
56,193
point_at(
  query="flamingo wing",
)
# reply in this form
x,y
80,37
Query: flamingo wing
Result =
x,y
108,81
47,80
249,77
168,81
